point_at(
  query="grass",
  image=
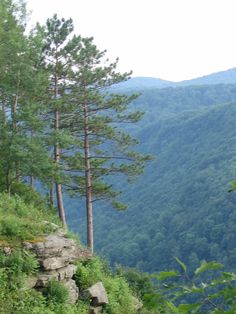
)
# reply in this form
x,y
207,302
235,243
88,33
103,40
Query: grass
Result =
x,y
21,221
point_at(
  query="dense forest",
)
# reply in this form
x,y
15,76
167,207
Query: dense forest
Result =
x,y
181,205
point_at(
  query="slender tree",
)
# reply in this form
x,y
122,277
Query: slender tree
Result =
x,y
102,149
60,46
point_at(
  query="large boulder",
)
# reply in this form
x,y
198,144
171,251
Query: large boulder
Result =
x,y
97,294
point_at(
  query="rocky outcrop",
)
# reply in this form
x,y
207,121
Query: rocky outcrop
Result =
x,y
56,254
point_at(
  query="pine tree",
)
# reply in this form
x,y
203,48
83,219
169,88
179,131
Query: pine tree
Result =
x,y
58,51
102,149
23,84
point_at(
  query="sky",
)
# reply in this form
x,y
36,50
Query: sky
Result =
x,y
169,39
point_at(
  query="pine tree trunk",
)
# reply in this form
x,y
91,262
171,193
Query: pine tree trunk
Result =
x,y
51,194
14,102
60,205
88,183
32,180
3,109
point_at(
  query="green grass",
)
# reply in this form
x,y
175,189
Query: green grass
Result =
x,y
21,221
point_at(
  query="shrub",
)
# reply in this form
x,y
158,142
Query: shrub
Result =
x,y
56,292
119,295
90,272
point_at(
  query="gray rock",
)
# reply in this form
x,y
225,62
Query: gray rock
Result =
x,y
98,294
72,289
57,251
30,282
53,263
63,273
137,303
7,250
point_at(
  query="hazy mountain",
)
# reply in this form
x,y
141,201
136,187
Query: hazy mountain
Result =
x,y
223,77
142,83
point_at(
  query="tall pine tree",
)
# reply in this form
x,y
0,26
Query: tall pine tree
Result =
x,y
102,148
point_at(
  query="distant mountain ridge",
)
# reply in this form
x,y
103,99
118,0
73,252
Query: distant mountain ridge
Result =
x,y
222,77
143,83
140,83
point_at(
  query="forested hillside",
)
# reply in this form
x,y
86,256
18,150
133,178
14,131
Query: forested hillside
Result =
x,y
181,206
69,130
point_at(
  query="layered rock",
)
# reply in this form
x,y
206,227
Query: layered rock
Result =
x,y
56,255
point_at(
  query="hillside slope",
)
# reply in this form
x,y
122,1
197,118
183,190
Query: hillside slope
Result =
x,y
190,131
181,206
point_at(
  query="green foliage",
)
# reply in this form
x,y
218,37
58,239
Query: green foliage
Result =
x,y
28,194
119,296
143,288
90,272
207,266
56,292
200,293
140,283
22,221
118,290
19,261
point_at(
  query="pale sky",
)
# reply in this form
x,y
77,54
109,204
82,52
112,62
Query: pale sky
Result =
x,y
169,39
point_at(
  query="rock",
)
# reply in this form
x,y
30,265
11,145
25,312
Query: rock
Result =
x,y
60,274
7,250
57,251
30,282
52,263
137,303
73,290
98,294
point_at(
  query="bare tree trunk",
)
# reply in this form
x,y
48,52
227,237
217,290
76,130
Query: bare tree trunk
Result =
x,y
60,205
4,109
32,180
8,184
88,183
14,102
51,194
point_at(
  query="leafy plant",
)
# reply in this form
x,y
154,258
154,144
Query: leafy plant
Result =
x,y
56,292
208,290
